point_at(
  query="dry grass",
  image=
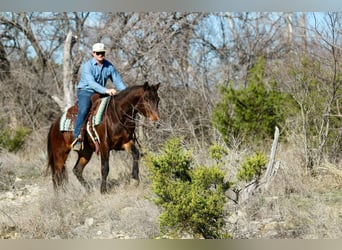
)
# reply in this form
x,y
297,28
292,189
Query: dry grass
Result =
x,y
30,209
294,206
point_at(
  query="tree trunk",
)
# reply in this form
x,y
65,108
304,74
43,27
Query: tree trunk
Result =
x,y
4,64
67,72
68,89
304,41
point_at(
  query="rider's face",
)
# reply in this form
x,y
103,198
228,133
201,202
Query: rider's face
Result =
x,y
99,56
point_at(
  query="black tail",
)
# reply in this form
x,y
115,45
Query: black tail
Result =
x,y
49,153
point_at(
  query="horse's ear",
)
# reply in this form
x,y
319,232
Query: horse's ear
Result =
x,y
145,85
156,87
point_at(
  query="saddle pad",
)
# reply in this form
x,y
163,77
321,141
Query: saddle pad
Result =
x,y
66,124
98,116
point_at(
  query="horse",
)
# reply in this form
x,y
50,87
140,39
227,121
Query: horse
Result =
x,y
114,132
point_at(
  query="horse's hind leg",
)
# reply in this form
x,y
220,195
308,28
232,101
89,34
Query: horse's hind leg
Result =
x,y
59,173
57,154
131,148
84,157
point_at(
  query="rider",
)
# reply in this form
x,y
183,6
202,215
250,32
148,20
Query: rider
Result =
x,y
94,75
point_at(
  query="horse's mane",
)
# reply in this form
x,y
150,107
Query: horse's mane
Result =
x,y
127,91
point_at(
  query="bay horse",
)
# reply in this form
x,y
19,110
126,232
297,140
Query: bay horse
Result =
x,y
115,132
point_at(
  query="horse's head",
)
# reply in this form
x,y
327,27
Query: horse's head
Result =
x,y
149,102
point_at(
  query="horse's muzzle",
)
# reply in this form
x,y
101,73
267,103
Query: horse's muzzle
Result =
x,y
154,117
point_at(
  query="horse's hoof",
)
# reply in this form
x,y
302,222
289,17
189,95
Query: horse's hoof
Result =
x,y
134,182
103,190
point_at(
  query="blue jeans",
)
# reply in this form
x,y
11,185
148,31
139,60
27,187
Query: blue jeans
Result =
x,y
84,103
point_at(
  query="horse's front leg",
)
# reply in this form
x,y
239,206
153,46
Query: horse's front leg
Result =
x,y
104,171
136,157
131,148
84,157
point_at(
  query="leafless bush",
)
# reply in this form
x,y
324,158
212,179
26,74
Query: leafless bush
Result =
x,y
26,101
296,204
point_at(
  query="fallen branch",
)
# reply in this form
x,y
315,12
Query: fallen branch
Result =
x,y
9,217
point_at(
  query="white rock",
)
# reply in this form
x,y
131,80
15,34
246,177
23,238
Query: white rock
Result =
x,y
17,179
9,195
89,222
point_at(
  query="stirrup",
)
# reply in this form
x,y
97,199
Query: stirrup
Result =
x,y
75,141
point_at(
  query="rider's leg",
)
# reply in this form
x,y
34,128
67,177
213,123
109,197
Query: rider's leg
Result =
x,y
84,103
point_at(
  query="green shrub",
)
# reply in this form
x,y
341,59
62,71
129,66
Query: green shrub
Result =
x,y
249,114
192,198
252,168
217,152
13,139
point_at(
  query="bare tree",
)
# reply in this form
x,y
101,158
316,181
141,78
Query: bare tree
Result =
x,y
4,64
313,80
68,86
243,38
33,43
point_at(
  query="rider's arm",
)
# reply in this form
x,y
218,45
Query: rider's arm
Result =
x,y
88,81
116,79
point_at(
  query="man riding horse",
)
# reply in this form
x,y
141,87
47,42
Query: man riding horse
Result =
x,y
114,127
94,75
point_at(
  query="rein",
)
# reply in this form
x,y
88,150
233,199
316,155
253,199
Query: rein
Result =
x,y
131,118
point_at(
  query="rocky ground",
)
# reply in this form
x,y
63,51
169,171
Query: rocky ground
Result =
x,y
29,208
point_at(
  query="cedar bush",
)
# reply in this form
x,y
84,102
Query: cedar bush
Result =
x,y
217,152
250,114
252,168
192,198
12,139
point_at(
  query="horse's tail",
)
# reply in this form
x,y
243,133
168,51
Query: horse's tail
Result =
x,y
49,153
55,149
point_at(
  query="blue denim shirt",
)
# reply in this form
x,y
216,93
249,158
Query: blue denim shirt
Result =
x,y
94,77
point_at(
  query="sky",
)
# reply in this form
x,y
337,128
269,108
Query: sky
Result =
x,y
174,5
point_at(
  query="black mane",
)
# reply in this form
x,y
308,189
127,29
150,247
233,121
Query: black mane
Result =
x,y
128,90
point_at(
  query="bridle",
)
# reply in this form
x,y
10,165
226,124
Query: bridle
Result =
x,y
130,117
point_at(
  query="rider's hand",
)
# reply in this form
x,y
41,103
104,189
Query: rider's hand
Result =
x,y
110,91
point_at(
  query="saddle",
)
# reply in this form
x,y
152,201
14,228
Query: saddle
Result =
x,y
72,111
94,117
